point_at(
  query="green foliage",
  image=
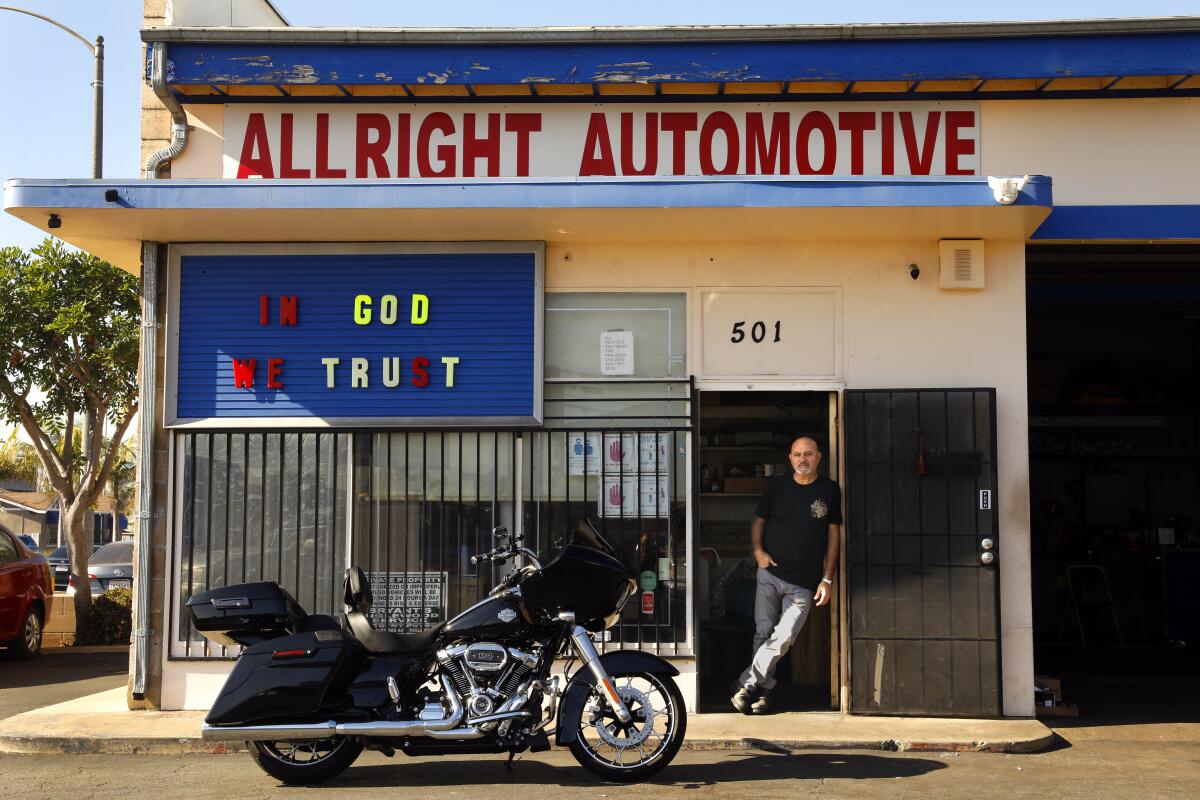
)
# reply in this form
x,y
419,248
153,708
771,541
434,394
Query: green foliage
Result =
x,y
19,461
70,329
109,620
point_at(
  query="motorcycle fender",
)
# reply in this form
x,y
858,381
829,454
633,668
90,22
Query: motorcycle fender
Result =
x,y
581,683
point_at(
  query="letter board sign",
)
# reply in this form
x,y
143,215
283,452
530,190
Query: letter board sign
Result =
x,y
325,335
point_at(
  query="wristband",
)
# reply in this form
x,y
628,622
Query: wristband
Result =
x,y
827,580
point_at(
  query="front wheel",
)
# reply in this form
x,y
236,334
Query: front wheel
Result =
x,y
307,762
631,751
29,641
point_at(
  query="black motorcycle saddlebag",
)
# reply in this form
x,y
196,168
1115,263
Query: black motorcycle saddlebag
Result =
x,y
245,614
287,679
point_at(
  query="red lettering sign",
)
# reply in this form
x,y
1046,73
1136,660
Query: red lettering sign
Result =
x,y
243,373
255,141
719,121
919,162
523,125
487,147
679,124
773,155
274,370
287,309
816,121
650,159
420,371
368,148
597,149
286,170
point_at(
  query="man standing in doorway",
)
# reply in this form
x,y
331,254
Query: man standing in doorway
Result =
x,y
795,539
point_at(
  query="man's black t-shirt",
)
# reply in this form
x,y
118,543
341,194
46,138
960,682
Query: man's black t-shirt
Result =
x,y
797,530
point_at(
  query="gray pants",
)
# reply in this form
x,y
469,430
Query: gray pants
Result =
x,y
780,610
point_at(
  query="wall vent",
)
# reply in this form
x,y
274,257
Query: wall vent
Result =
x,y
961,263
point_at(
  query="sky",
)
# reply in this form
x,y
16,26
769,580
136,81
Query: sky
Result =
x,y
45,74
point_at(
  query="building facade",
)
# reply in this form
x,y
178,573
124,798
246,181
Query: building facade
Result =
x,y
409,285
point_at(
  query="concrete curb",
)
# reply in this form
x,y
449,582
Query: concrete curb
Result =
x,y
886,745
32,744
87,648
103,723
57,745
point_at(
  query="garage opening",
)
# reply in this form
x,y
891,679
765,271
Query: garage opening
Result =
x,y
743,442
1114,439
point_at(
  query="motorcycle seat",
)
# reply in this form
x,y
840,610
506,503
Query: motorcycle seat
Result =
x,y
384,642
358,602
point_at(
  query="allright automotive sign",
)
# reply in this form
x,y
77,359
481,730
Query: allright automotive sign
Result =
x,y
600,140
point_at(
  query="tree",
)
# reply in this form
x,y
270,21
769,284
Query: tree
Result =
x,y
122,480
71,324
19,462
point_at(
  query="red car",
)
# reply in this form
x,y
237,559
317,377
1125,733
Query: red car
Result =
x,y
26,594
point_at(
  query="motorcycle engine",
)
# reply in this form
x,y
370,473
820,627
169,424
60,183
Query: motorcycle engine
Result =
x,y
486,674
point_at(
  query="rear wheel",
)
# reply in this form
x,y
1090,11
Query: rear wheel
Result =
x,y
306,762
631,751
29,641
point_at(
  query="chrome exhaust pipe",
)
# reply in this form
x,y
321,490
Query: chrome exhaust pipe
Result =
x,y
325,730
265,733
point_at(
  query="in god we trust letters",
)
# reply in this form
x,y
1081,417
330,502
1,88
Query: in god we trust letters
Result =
x,y
391,370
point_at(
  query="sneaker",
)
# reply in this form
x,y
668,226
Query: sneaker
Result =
x,y
741,699
762,705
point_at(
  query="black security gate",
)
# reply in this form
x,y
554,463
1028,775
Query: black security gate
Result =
x,y
922,552
412,507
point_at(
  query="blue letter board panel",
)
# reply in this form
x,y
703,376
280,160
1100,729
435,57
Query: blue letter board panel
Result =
x,y
359,338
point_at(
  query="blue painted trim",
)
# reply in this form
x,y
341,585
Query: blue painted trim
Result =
x,y
839,60
737,192
482,308
1120,222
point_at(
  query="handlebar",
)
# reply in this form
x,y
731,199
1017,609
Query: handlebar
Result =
x,y
502,554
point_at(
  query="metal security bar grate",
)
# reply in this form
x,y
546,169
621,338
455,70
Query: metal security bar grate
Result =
x,y
615,453
258,507
273,506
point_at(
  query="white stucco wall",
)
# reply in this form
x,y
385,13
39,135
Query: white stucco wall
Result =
x,y
1099,152
896,333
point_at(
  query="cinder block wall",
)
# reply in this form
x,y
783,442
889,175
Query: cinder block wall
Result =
x,y
156,133
156,120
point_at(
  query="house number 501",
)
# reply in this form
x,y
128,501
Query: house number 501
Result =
x,y
758,332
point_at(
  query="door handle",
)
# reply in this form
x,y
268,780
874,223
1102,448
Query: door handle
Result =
x,y
987,557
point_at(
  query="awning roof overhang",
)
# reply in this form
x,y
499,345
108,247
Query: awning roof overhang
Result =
x,y
1073,58
110,218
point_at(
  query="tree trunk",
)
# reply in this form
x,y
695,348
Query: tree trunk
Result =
x,y
79,546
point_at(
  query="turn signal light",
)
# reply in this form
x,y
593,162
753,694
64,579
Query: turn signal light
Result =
x,y
291,653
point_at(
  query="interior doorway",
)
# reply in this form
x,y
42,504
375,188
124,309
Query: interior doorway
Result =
x,y
743,439
1114,440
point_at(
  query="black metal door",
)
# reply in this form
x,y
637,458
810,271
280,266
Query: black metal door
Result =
x,y
922,552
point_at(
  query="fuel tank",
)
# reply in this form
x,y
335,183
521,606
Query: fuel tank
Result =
x,y
494,618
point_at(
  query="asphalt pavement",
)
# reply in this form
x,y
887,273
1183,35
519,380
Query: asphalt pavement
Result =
x,y
1103,767
59,674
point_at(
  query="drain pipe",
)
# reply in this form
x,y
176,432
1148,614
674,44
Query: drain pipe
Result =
x,y
179,126
146,403
147,396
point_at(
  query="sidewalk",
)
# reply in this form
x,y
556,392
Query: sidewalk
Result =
x,y
101,723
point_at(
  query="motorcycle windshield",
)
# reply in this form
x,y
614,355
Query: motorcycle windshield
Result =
x,y
586,535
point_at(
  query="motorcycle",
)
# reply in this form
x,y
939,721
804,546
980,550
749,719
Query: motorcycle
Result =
x,y
309,694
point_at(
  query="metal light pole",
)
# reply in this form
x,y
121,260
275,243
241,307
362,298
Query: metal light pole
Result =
x,y
97,51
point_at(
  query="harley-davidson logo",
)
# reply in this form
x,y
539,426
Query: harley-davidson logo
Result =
x,y
507,615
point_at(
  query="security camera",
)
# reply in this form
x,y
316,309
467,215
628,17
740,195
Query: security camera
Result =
x,y
55,221
914,271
